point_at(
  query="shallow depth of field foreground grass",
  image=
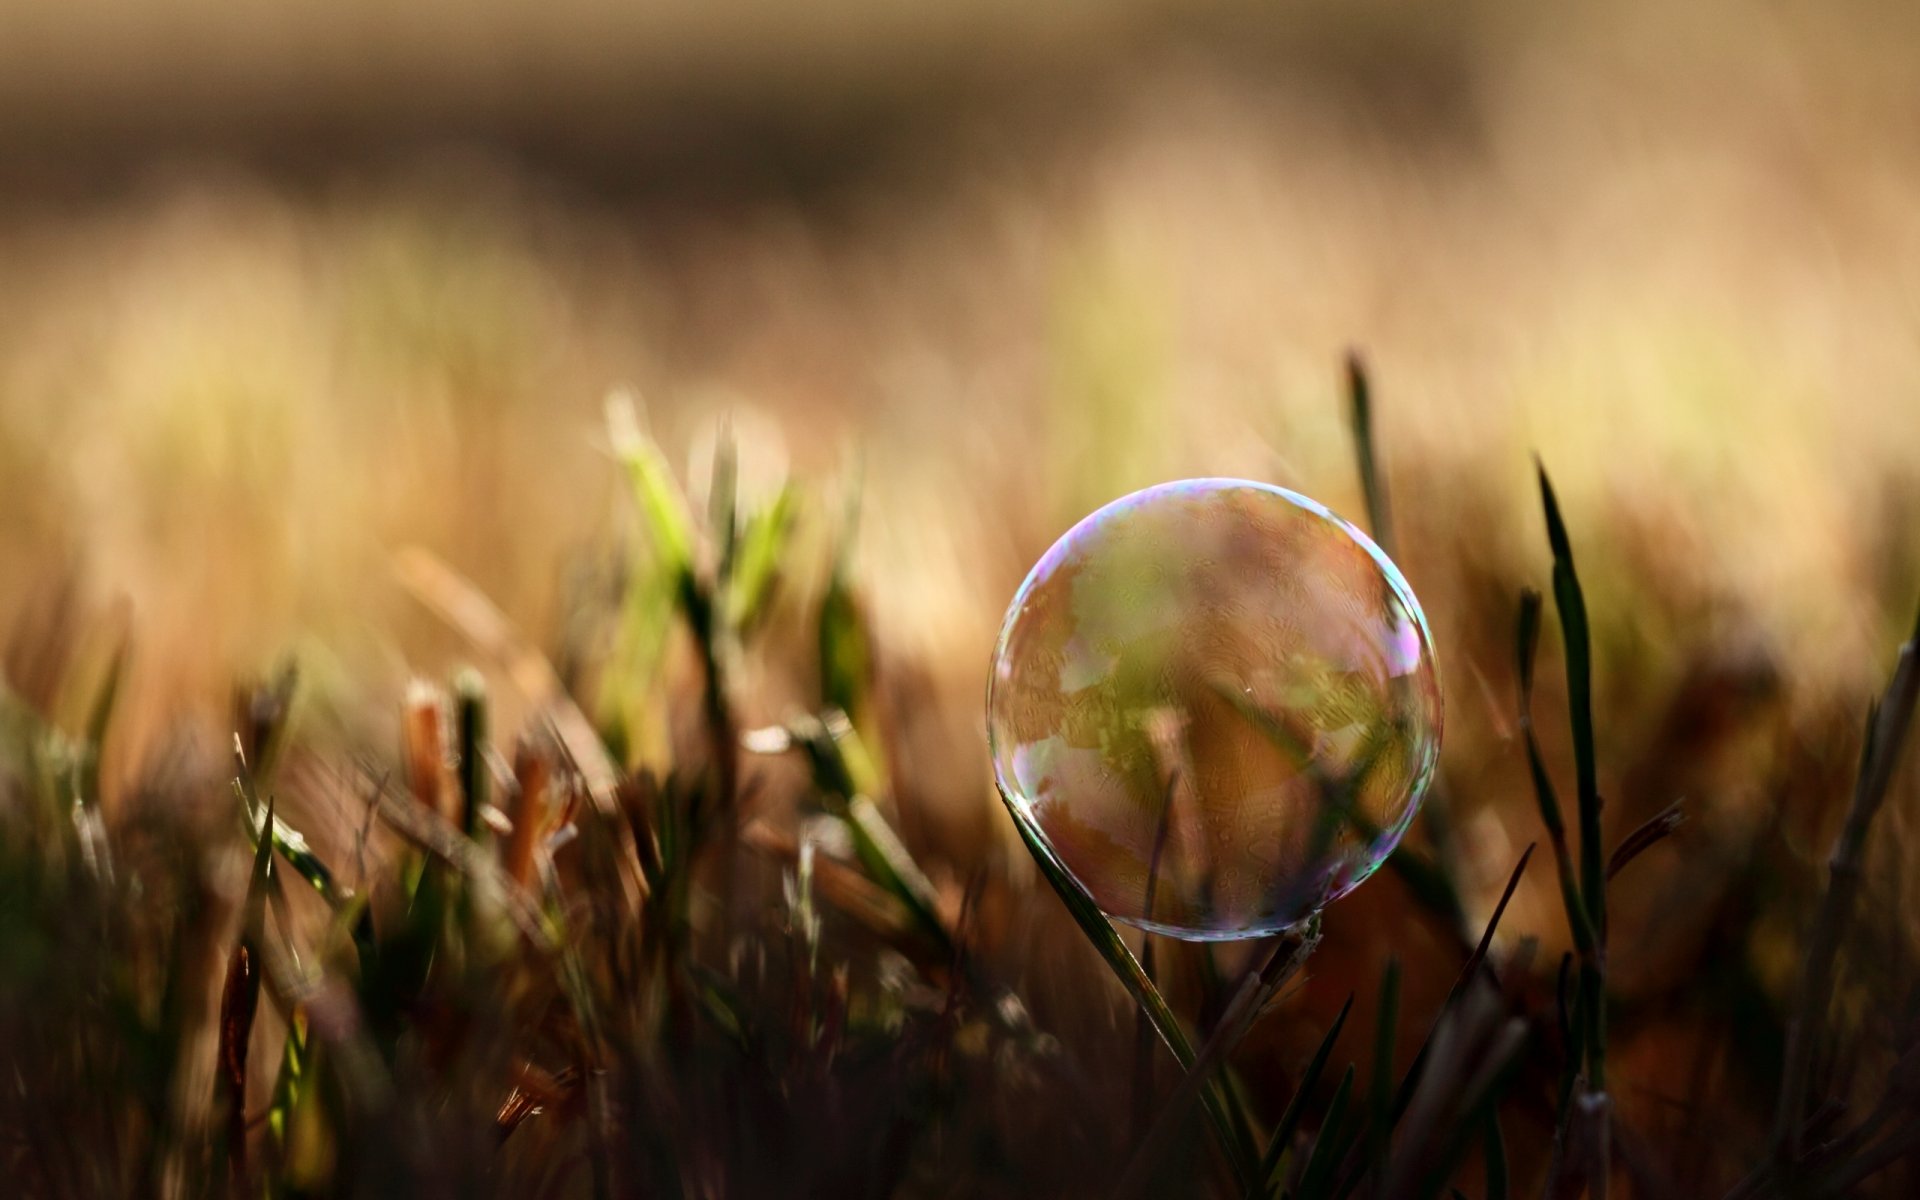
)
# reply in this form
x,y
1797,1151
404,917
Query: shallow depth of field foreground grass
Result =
x,y
581,927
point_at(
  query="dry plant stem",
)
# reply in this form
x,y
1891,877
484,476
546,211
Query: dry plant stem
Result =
x,y
531,772
423,748
1886,731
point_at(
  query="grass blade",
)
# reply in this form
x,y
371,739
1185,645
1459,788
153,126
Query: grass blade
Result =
x,y
1373,484
1887,726
470,730
1247,1004
1329,1145
1381,1095
1237,1145
1650,833
1571,604
239,1002
1269,1182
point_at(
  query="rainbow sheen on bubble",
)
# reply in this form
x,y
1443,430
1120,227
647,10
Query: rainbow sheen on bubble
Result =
x,y
1214,703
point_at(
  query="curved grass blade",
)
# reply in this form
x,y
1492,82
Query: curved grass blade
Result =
x,y
287,841
1330,1145
1236,1143
1245,1007
1269,1180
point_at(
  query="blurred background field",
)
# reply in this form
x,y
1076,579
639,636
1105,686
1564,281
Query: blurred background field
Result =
x,y
286,289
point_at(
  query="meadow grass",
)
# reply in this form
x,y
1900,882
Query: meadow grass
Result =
x,y
539,963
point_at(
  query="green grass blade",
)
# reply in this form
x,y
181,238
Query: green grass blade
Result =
x,y
669,528
287,841
1330,1145
1269,1181
1288,955
1571,604
757,568
1577,643
887,859
470,723
1373,484
239,1002
723,503
1238,1147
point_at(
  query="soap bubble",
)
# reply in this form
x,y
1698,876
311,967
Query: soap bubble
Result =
x,y
1214,705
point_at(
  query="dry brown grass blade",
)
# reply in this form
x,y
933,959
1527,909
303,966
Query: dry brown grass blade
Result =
x,y
423,746
532,771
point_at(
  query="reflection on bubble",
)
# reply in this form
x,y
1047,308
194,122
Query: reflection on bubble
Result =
x,y
1214,703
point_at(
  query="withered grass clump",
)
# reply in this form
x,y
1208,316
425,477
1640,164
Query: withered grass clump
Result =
x,y
636,945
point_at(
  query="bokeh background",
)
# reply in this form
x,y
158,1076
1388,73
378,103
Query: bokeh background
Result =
x,y
286,288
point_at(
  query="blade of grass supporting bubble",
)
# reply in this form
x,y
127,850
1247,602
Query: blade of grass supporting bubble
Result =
x,y
1268,1182
1286,958
1238,1147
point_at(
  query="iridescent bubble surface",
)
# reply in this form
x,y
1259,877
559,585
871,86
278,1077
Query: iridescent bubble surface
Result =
x,y
1214,703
